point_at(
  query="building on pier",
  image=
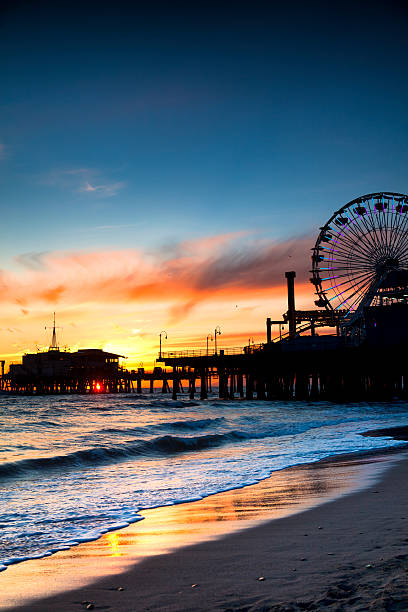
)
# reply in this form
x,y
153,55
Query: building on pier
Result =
x,y
63,371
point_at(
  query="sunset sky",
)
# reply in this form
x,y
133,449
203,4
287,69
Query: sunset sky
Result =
x,y
162,166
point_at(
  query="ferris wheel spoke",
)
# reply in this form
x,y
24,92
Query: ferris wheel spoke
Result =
x,y
346,255
356,287
358,237
350,242
402,236
338,268
402,254
333,278
350,286
343,283
388,223
362,281
353,305
377,223
365,238
395,230
395,220
400,228
400,222
355,248
372,233
359,293
356,266
381,228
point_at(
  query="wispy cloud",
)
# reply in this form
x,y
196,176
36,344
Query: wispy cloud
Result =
x,y
82,180
107,190
219,267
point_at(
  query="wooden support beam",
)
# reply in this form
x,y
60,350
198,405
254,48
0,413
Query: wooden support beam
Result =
x,y
203,384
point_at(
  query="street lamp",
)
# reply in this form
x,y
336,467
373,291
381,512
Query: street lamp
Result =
x,y
209,337
217,331
280,330
160,335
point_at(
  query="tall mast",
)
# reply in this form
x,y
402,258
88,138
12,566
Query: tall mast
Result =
x,y
54,336
53,346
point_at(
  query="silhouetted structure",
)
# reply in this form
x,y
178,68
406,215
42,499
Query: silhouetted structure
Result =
x,y
360,274
56,371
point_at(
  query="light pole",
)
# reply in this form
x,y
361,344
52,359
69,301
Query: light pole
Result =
x,y
217,331
280,331
209,337
160,335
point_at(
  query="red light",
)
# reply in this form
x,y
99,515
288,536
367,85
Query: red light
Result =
x,y
98,387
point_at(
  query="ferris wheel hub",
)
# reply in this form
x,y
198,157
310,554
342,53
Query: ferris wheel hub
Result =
x,y
387,265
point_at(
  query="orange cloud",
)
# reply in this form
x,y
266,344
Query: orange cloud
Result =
x,y
195,271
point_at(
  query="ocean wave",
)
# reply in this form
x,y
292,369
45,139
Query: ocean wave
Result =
x,y
190,424
166,403
195,424
163,445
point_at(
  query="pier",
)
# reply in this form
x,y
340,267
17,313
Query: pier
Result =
x,y
360,276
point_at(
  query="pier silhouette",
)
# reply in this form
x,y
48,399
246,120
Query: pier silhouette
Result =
x,y
360,275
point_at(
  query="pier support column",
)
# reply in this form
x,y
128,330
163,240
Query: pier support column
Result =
x,y
223,384
209,385
139,385
175,384
288,381
260,389
151,385
240,384
2,363
203,384
249,387
314,389
232,386
191,385
301,386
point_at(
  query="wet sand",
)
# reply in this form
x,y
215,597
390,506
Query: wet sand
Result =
x,y
225,552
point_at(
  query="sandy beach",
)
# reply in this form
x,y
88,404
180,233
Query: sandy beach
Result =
x,y
350,553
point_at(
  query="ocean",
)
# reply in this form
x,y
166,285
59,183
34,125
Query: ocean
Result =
x,y
75,467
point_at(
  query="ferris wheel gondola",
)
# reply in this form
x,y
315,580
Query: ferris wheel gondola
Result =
x,y
361,255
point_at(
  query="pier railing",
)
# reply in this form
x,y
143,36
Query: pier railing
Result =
x,y
253,348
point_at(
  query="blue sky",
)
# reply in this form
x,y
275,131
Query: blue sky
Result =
x,y
162,166
121,127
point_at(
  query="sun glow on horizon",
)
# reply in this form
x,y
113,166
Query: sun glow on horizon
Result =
x,y
122,305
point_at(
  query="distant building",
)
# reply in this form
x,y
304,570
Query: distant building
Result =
x,y
92,363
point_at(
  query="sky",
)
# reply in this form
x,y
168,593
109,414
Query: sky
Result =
x,y
163,165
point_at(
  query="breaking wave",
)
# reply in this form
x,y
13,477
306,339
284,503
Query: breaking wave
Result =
x,y
162,445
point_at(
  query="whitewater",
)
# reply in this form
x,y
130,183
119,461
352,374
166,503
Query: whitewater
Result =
x,y
75,467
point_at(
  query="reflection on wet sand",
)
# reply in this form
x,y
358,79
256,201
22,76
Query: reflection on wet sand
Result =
x,y
168,528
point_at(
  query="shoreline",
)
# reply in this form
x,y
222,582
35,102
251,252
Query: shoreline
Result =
x,y
252,522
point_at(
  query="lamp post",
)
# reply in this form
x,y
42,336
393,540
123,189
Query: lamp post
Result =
x,y
280,331
217,331
209,337
160,335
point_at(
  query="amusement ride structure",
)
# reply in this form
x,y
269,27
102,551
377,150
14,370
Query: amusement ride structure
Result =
x,y
360,259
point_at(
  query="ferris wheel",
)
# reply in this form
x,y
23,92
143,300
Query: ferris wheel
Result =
x,y
361,254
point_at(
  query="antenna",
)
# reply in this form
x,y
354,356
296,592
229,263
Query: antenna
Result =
x,y
53,346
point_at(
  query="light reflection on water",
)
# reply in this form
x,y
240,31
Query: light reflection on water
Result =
x,y
166,529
